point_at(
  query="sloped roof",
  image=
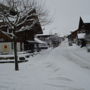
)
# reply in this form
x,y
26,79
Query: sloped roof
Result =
x,y
5,36
39,41
3,7
86,18
21,35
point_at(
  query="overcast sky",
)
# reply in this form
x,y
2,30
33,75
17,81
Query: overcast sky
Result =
x,y
66,14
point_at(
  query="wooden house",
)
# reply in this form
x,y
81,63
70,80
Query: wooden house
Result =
x,y
83,28
23,37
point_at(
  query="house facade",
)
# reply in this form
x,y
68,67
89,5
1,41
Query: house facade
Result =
x,y
83,32
6,42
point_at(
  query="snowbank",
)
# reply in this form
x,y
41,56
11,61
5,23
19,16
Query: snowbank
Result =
x,y
62,68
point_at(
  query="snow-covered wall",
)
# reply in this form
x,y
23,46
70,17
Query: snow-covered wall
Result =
x,y
7,47
81,35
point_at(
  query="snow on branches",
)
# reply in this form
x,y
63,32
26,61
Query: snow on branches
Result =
x,y
20,15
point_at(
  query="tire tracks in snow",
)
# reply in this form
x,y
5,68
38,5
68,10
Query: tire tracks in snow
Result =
x,y
73,56
64,87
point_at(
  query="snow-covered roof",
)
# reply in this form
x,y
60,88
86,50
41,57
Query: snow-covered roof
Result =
x,y
6,34
42,35
29,41
39,41
81,35
86,18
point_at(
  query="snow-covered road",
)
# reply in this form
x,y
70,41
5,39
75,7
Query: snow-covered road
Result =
x,y
62,68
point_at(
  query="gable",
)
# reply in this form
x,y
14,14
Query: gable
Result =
x,y
4,37
80,23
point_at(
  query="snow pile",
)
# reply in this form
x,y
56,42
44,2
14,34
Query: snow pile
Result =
x,y
62,68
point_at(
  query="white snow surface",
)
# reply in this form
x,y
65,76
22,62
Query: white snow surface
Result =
x,y
63,68
39,41
81,35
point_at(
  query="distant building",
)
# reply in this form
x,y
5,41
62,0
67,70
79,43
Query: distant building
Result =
x,y
83,32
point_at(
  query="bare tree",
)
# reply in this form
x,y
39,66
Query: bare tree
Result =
x,y
15,13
